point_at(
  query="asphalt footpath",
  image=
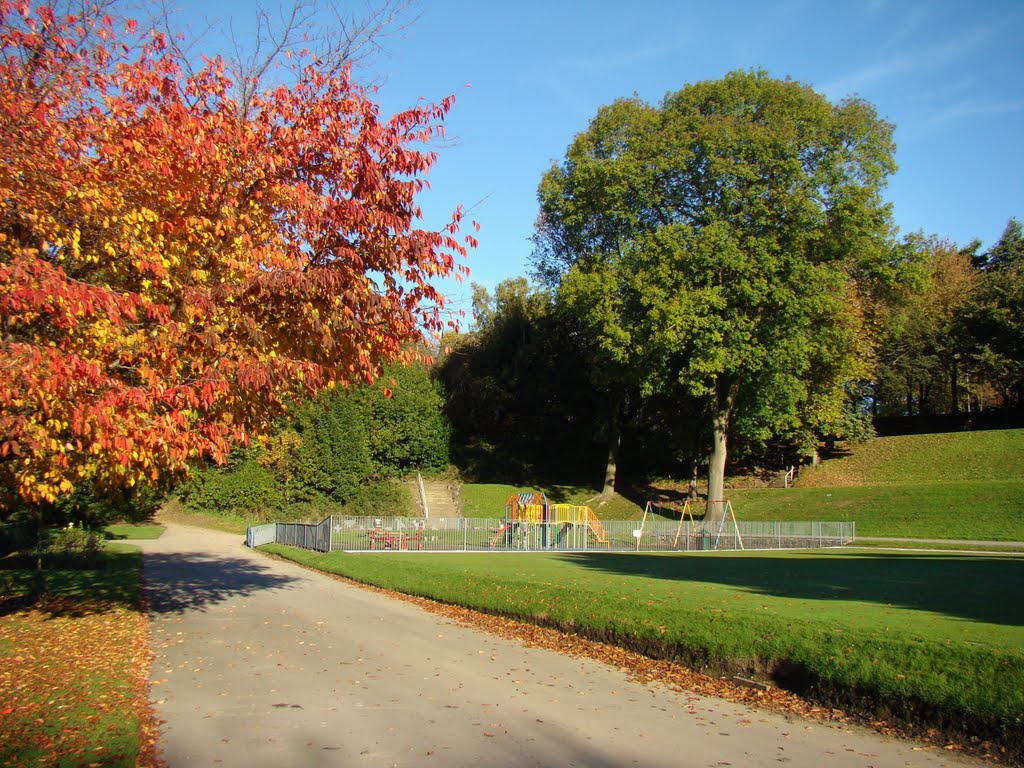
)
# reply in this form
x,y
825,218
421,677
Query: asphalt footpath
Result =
x,y
258,662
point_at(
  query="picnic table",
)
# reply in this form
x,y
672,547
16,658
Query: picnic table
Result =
x,y
395,539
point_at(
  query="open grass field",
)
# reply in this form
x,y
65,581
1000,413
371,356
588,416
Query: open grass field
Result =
x,y
74,665
919,635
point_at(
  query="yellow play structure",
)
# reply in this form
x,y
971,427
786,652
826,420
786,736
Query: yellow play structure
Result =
x,y
532,521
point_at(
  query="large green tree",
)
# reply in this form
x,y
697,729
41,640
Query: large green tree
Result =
x,y
920,348
731,227
406,426
994,323
517,389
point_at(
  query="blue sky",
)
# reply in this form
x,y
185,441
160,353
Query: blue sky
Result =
x,y
950,75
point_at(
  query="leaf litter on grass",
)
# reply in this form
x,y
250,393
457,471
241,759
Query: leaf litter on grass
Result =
x,y
74,686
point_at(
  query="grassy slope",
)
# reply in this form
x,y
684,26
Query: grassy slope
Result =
x,y
950,457
964,485
902,628
992,510
174,511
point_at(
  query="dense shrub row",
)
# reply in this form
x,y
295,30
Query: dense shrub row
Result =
x,y
340,453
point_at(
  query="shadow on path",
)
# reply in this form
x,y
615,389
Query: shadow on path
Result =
x,y
975,588
176,582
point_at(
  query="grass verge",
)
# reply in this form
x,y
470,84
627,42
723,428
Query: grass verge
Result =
x,y
74,665
173,511
133,531
919,638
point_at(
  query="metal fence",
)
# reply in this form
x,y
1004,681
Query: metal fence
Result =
x,y
407,534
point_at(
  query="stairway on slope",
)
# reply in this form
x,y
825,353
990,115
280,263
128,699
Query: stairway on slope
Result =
x,y
441,497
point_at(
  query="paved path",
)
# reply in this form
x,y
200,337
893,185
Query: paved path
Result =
x,y
261,663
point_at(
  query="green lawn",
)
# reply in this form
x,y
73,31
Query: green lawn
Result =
x,y
117,579
133,531
915,630
956,485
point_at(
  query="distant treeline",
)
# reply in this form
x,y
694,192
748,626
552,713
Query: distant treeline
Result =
x,y
1001,418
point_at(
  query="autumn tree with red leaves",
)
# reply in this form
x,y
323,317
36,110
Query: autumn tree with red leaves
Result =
x,y
176,272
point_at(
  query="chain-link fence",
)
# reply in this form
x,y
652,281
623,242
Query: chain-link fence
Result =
x,y
407,534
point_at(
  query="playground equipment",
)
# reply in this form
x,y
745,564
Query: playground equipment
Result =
x,y
531,521
702,533
683,514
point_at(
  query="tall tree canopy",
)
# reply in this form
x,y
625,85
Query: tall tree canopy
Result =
x,y
993,326
517,391
176,270
920,346
728,229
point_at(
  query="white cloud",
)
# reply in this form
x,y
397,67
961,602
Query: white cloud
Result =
x,y
911,61
968,109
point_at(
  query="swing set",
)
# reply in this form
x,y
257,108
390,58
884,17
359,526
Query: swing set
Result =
x,y
701,535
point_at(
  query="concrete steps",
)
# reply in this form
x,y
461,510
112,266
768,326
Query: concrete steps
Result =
x,y
442,499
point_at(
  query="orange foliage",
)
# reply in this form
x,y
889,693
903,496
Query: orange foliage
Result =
x,y
173,274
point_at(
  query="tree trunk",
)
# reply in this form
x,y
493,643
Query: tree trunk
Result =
x,y
724,399
614,441
954,389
